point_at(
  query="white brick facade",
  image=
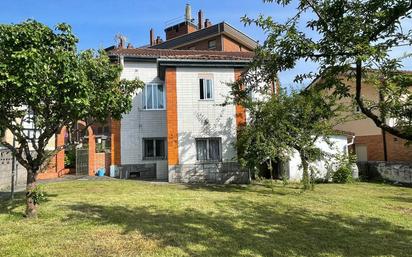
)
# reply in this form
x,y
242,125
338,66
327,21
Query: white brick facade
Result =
x,y
204,118
140,123
196,118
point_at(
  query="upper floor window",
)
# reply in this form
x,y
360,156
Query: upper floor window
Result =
x,y
211,44
206,89
153,97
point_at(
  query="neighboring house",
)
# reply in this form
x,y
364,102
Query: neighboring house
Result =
x,y
178,129
369,139
186,35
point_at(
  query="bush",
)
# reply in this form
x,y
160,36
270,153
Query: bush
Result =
x,y
70,158
342,175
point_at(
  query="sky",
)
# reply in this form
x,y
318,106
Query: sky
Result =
x,y
96,22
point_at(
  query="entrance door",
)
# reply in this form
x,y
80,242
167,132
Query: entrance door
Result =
x,y
362,153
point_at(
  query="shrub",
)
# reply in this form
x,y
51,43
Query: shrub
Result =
x,y
342,175
70,158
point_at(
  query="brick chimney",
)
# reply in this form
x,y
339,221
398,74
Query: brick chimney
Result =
x,y
158,40
200,19
208,23
152,37
182,28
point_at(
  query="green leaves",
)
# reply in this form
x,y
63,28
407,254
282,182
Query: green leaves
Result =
x,y
42,72
285,123
335,35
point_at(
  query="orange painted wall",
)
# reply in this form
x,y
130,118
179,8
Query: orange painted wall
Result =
x,y
240,110
172,129
115,144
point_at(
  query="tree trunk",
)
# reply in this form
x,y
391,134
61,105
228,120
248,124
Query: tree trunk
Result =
x,y
271,174
305,167
31,205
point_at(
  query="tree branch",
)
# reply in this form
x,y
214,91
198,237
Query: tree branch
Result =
x,y
378,122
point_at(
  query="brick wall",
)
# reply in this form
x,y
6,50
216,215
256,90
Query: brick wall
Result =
x,y
396,148
204,44
230,45
102,160
182,29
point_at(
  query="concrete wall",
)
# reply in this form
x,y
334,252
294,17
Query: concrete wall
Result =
x,y
400,172
339,146
5,171
204,118
140,123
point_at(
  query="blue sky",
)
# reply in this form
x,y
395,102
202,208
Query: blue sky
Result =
x,y
96,22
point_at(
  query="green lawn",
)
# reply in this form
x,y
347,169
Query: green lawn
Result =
x,y
129,218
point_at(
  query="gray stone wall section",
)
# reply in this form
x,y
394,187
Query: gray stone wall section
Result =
x,y
5,171
141,171
209,173
399,172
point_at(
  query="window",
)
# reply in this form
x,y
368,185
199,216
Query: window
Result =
x,y
154,148
208,149
206,89
153,97
211,44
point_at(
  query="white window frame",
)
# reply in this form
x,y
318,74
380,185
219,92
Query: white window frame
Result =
x,y
144,96
211,44
205,90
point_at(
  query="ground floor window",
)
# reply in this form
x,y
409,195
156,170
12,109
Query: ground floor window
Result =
x,y
154,148
208,149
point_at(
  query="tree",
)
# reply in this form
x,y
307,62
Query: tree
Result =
x,y
288,122
46,84
353,38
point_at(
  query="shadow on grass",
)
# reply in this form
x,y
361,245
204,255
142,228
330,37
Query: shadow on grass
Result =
x,y
238,227
9,207
401,199
259,188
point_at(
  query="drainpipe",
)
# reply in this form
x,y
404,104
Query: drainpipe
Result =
x,y
121,60
355,169
352,141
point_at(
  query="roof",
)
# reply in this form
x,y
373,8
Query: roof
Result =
x,y
214,30
171,54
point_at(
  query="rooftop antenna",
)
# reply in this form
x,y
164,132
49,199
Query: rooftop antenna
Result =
x,y
121,40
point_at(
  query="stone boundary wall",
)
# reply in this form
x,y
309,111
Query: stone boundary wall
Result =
x,y
399,172
211,173
5,171
139,171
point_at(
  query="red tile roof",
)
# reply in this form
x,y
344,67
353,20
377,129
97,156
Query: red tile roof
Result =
x,y
181,54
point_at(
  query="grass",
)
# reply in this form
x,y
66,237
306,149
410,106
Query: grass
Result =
x,y
129,218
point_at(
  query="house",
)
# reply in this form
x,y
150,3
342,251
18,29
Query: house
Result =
x,y
178,129
371,143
